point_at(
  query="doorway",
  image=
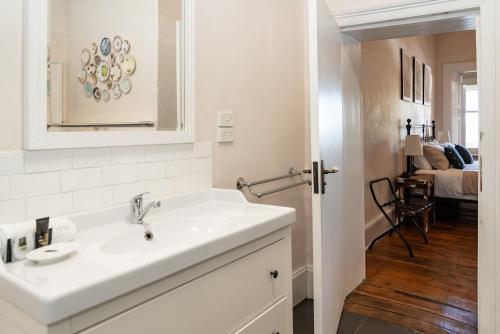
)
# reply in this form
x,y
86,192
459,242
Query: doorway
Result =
x,y
366,27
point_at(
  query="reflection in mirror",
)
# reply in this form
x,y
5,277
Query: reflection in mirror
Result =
x,y
115,65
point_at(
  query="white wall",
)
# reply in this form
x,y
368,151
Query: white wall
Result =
x,y
89,25
250,60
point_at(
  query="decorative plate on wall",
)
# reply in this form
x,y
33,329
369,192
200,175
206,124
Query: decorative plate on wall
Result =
x,y
105,95
82,76
116,91
126,85
96,93
103,71
92,79
91,68
125,46
88,89
85,57
93,48
105,46
116,72
117,44
106,69
129,65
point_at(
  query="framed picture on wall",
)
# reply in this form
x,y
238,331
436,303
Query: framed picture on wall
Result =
x,y
406,77
418,81
427,85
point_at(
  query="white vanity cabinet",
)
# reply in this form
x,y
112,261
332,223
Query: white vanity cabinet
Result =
x,y
246,291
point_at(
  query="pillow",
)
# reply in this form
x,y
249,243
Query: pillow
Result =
x,y
436,146
435,156
454,157
421,162
465,154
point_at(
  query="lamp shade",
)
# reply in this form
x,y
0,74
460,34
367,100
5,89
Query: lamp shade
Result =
x,y
413,146
444,137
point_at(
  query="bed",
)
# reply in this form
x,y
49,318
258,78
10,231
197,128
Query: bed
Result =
x,y
455,183
452,183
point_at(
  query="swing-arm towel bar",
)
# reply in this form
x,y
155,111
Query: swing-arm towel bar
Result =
x,y
292,172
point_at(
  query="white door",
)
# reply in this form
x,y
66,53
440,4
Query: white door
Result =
x,y
326,146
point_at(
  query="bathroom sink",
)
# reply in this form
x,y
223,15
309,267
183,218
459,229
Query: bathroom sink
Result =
x,y
168,234
114,257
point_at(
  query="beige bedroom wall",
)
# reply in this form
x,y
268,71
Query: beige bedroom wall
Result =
x,y
455,47
384,113
253,65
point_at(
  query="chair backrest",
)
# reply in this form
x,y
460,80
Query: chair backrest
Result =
x,y
394,197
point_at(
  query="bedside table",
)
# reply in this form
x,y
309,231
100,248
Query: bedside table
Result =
x,y
418,189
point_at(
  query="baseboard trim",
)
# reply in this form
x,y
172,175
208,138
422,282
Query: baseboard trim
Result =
x,y
374,228
302,280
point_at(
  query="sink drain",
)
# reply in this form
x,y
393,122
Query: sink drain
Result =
x,y
148,236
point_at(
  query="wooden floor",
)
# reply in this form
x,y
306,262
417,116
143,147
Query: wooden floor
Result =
x,y
435,292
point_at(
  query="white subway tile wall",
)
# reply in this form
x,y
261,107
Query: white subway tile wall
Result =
x,y
59,182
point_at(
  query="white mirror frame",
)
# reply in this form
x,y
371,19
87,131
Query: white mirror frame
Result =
x,y
36,136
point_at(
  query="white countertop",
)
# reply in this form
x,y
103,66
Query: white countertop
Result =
x,y
114,258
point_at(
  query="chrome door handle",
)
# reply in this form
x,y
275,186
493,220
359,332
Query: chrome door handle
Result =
x,y
333,170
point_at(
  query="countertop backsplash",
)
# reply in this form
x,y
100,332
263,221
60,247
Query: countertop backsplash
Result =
x,y
36,184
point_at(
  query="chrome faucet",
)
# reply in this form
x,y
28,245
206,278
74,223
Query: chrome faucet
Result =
x,y
138,210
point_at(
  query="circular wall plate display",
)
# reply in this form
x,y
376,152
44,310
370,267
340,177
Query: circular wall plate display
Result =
x,y
125,46
85,57
105,46
97,60
96,93
116,72
88,89
116,91
109,84
103,71
93,48
117,44
82,76
92,79
91,68
126,85
129,65
105,95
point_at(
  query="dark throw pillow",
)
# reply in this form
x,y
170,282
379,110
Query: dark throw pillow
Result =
x,y
465,154
454,157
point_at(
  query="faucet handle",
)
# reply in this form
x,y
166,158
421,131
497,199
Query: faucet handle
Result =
x,y
139,198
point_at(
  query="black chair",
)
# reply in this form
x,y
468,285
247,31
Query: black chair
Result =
x,y
406,211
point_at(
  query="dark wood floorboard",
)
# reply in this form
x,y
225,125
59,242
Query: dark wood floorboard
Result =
x,y
435,292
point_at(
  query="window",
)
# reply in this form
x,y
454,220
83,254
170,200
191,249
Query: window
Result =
x,y
471,111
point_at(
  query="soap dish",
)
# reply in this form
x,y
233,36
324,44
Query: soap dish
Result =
x,y
53,253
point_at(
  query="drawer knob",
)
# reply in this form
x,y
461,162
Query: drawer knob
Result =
x,y
274,274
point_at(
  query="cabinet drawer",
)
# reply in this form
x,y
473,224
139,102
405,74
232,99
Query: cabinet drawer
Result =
x,y
272,321
212,303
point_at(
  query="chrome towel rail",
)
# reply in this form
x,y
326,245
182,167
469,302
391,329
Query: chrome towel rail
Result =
x,y
292,172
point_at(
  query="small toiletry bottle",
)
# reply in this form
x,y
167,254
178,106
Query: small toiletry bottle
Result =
x,y
42,232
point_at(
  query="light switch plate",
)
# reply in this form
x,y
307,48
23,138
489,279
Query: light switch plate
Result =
x,y
225,135
225,119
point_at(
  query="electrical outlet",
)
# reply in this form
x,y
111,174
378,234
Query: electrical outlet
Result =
x,y
225,135
225,119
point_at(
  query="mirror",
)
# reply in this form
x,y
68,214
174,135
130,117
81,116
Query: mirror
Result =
x,y
99,70
115,65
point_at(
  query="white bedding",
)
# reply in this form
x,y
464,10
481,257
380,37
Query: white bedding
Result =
x,y
448,183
